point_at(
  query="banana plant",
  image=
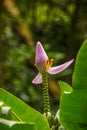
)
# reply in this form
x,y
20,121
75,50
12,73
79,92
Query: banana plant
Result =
x,y
73,102
15,114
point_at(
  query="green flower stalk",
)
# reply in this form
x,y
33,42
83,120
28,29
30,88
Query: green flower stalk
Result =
x,y
46,101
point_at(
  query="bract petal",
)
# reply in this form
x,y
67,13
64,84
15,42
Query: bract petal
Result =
x,y
37,79
58,69
40,57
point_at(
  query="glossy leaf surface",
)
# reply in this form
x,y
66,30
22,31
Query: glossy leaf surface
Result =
x,y
73,106
22,111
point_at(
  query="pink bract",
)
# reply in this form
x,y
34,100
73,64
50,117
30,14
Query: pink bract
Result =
x,y
40,59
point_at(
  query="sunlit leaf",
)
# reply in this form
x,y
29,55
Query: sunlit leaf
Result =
x,y
22,111
73,106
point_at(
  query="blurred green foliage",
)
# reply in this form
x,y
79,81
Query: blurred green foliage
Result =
x,y
60,25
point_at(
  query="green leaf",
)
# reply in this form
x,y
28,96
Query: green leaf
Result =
x,y
73,106
66,88
13,125
80,72
22,111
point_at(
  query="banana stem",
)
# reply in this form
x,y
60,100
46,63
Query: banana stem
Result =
x,y
46,101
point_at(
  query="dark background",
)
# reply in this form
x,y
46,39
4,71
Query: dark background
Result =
x,y
61,27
